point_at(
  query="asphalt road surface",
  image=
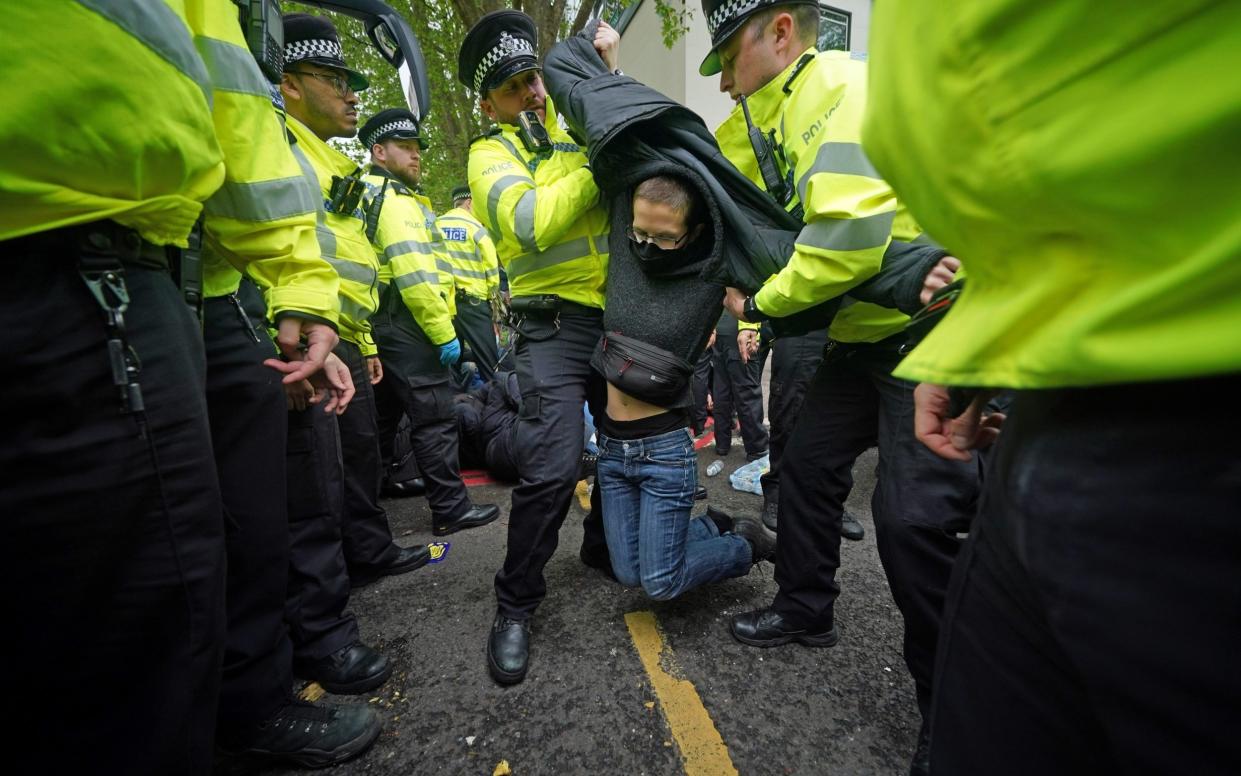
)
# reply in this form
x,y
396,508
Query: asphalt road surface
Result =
x,y
700,703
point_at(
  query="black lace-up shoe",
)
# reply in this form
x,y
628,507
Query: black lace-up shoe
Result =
x,y
313,735
762,542
478,516
407,560
850,528
348,671
508,649
768,628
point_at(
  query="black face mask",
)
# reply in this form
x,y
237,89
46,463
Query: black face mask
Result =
x,y
657,261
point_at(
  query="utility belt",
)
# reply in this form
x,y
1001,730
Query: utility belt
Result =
x,y
545,307
104,250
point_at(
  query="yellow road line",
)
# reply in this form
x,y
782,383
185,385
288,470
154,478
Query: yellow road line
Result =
x,y
702,750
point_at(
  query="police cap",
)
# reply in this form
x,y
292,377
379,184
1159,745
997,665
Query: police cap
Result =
x,y
314,39
460,193
725,17
500,46
391,124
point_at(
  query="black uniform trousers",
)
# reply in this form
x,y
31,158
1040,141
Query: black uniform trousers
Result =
x,y
919,504
318,578
737,387
364,525
701,386
1094,617
395,454
433,437
248,418
114,537
553,370
474,328
794,361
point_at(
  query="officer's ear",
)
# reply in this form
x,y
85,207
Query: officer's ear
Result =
x,y
784,27
288,87
487,108
379,153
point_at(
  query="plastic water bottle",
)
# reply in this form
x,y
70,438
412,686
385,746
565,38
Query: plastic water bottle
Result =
x,y
715,468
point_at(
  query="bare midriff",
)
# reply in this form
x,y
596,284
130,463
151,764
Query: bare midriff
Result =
x,y
622,406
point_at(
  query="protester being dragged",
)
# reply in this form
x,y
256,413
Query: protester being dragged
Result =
x,y
648,470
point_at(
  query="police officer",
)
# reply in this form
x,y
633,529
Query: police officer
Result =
x,y
1081,634
736,387
115,524
339,534
765,53
476,270
551,232
413,326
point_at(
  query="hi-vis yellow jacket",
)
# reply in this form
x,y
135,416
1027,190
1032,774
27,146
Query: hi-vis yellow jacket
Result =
x,y
342,238
409,248
1086,167
544,213
815,107
471,253
86,145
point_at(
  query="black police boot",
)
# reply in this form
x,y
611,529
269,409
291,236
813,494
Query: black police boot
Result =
x,y
408,559
768,628
476,517
771,513
762,542
508,649
403,489
312,735
850,528
348,671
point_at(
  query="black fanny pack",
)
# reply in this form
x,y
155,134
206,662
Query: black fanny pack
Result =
x,y
644,371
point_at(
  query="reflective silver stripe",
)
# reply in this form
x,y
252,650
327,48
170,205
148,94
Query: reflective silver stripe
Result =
x,y
351,270
161,30
407,246
523,220
326,237
444,266
263,200
497,191
469,273
232,68
352,310
557,254
470,256
839,159
848,234
480,234
416,277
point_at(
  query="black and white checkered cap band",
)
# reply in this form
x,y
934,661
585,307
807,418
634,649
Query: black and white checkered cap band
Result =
x,y
729,10
309,49
400,125
507,48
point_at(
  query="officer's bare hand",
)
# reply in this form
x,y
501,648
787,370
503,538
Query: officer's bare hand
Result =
x,y
747,343
734,303
711,340
374,369
300,365
607,43
953,438
299,395
939,276
333,385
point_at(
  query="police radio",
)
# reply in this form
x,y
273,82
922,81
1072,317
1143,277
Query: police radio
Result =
x,y
781,189
532,132
345,194
264,30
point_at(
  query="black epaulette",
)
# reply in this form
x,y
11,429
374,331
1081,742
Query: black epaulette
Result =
x,y
492,132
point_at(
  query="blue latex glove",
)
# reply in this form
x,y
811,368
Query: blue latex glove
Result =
x,y
450,352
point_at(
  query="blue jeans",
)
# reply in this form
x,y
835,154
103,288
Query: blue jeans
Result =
x,y
646,489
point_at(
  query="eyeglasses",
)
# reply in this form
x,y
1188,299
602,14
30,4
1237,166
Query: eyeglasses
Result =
x,y
339,83
662,241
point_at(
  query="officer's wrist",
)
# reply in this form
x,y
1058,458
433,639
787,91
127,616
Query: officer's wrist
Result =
x,y
751,311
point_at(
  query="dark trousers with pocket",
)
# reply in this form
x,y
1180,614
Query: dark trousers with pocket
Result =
x,y
1094,617
737,387
318,578
364,524
556,379
114,538
701,387
474,328
794,361
433,436
920,502
248,417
